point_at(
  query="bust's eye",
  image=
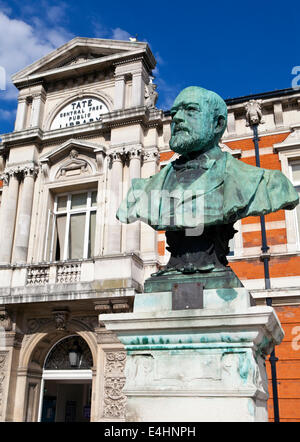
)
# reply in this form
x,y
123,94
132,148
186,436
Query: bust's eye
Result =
x,y
192,109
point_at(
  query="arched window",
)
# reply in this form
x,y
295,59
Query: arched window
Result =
x,y
69,354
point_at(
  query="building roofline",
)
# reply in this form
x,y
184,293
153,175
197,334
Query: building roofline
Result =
x,y
262,95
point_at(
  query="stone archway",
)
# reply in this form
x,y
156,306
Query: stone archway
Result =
x,y
34,350
67,382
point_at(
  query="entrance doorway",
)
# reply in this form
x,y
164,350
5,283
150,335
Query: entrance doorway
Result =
x,y
66,401
67,382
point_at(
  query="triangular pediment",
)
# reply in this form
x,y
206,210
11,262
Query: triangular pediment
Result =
x,y
82,52
237,153
64,150
292,141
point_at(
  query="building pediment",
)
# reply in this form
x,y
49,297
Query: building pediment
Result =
x,y
291,142
69,151
84,52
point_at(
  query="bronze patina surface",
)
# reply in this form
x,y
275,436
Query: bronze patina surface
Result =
x,y
197,198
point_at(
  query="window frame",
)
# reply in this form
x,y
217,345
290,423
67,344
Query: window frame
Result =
x,y
50,230
288,156
296,184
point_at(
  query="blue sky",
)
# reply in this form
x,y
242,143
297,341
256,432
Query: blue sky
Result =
x,y
234,48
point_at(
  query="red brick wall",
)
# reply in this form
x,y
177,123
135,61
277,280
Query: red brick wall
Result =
x,y
287,367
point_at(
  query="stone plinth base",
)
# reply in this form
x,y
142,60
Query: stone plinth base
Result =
x,y
196,365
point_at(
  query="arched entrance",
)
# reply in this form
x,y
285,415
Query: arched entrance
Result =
x,y
67,382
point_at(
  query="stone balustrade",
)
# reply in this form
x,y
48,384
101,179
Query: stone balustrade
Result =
x,y
121,275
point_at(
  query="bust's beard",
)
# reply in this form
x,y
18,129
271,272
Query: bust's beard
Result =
x,y
184,142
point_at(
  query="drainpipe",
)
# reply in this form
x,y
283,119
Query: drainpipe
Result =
x,y
254,118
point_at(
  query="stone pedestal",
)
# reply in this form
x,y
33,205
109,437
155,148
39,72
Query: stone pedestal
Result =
x,y
196,365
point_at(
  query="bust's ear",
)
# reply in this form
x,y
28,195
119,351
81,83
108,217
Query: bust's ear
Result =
x,y
220,124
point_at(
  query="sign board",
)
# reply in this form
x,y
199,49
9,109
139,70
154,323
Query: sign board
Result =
x,y
187,295
82,111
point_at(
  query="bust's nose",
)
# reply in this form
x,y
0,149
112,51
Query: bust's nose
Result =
x,y
179,116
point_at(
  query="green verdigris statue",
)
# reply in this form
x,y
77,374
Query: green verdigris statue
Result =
x,y
197,198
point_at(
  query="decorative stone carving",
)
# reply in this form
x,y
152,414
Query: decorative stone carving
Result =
x,y
151,95
3,360
150,155
134,152
117,155
253,112
68,273
60,318
114,381
74,166
38,275
89,322
19,171
35,324
2,378
3,363
5,320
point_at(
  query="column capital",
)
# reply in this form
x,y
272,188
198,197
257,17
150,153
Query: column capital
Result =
x,y
31,171
20,171
134,152
117,155
151,155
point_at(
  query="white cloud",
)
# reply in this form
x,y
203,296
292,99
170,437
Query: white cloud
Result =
x,y
56,13
23,44
120,34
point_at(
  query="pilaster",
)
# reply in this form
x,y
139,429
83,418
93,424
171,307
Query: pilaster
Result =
x,y
37,110
21,114
114,198
8,214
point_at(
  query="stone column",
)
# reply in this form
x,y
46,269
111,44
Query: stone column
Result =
x,y
133,231
119,102
24,219
149,235
21,114
8,216
114,198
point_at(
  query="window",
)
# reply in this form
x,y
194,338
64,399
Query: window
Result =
x,y
295,173
71,226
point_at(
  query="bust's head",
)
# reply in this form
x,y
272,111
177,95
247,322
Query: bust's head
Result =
x,y
199,119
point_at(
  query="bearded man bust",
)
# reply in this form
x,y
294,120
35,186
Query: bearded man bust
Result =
x,y
197,198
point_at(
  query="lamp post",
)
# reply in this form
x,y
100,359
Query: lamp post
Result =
x,y
254,118
75,354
